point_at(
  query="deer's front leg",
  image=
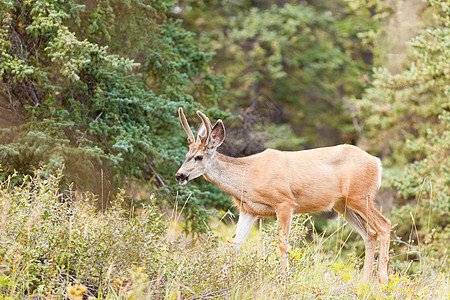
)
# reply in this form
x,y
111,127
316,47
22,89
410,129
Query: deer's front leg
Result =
x,y
284,216
244,225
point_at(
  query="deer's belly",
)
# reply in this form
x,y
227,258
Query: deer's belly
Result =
x,y
314,204
254,208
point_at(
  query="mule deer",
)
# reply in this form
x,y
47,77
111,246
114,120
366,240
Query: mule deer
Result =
x,y
280,183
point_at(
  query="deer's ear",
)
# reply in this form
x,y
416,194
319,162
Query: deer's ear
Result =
x,y
201,134
217,134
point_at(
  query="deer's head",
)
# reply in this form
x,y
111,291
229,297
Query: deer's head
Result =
x,y
201,150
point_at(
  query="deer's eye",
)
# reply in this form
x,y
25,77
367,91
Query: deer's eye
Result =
x,y
199,157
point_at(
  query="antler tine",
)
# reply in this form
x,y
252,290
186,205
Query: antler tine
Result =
x,y
208,127
185,125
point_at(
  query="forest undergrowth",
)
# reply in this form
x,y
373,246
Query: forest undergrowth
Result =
x,y
62,247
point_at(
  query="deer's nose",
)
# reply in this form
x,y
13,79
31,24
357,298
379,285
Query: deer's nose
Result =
x,y
180,176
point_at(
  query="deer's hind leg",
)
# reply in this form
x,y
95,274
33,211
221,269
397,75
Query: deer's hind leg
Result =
x,y
376,221
383,227
367,233
284,217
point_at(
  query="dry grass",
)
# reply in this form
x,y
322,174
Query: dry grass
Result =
x,y
56,248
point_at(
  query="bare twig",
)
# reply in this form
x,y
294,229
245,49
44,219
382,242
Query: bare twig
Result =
x,y
160,179
410,247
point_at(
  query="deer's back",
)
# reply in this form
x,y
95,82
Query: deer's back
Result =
x,y
313,180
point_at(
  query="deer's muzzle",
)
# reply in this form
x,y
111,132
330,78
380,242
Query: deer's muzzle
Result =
x,y
182,178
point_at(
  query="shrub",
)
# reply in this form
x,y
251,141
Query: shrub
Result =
x,y
59,247
49,241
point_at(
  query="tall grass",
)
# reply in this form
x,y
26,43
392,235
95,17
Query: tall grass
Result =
x,y
56,247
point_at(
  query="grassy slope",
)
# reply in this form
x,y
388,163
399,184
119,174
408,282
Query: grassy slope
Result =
x,y
53,247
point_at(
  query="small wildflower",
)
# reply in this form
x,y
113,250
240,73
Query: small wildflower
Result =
x,y
76,291
120,283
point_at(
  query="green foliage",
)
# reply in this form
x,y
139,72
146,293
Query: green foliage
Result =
x,y
49,240
303,59
92,87
62,247
84,104
407,120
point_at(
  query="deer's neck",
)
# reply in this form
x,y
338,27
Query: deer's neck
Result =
x,y
231,174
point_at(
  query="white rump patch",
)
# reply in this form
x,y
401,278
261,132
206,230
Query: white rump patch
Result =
x,y
380,171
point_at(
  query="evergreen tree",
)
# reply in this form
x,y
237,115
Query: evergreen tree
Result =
x,y
407,120
93,86
296,63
